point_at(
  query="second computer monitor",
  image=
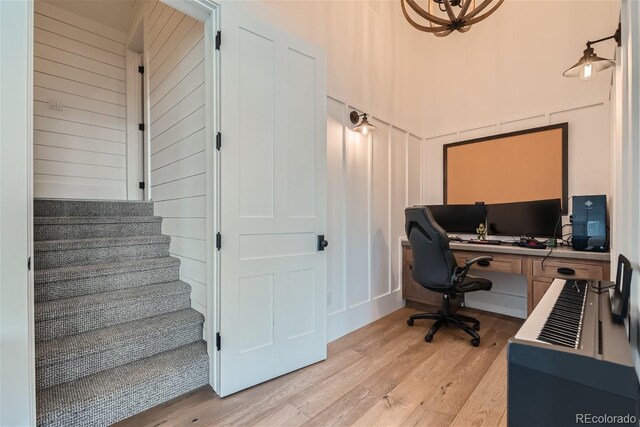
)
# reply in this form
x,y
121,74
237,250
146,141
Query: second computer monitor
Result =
x,y
459,218
540,218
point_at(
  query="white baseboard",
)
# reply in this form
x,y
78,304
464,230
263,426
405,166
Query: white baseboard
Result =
x,y
344,322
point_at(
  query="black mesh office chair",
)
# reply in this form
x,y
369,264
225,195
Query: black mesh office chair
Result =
x,y
435,268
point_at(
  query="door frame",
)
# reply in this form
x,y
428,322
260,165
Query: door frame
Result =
x,y
136,150
208,11
18,405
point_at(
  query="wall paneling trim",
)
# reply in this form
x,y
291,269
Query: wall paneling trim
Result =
x,y
370,181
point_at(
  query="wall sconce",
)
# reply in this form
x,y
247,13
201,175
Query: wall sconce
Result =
x,y
364,127
590,63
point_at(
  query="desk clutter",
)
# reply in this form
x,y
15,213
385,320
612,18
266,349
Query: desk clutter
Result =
x,y
523,242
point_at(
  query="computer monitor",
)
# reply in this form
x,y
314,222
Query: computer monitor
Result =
x,y
459,218
540,218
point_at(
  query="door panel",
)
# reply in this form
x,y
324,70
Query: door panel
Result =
x,y
273,179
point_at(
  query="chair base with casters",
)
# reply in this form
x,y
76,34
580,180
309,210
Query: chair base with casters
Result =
x,y
444,317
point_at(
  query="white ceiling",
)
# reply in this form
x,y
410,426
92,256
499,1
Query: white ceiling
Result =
x,y
112,13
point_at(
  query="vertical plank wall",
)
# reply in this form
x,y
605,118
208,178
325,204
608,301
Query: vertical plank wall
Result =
x,y
370,180
80,150
174,45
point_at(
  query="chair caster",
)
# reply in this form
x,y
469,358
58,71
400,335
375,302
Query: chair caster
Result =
x,y
476,326
475,342
428,338
410,322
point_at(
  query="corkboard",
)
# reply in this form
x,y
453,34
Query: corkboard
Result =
x,y
511,167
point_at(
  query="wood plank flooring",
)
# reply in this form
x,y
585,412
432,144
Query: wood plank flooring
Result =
x,y
383,374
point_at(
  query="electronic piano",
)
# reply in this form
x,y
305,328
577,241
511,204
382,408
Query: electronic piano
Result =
x,y
570,361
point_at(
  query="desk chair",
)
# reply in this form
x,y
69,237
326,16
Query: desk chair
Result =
x,y
435,268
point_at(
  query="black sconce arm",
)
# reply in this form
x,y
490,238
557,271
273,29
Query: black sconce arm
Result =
x,y
617,36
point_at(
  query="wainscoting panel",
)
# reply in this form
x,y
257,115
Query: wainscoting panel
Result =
x,y
358,217
380,210
370,178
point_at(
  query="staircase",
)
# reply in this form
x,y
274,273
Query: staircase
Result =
x,y
115,331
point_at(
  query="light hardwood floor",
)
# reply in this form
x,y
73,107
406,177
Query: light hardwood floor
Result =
x,y
382,374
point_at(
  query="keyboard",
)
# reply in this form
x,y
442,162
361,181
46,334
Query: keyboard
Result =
x,y
485,242
564,322
568,356
560,316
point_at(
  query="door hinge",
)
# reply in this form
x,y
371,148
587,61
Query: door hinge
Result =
x,y
218,341
141,185
141,69
218,37
218,141
141,127
218,241
29,264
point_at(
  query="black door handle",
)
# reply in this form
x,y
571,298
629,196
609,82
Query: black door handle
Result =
x,y
484,263
566,271
322,243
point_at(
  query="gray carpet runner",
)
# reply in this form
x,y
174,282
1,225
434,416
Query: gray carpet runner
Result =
x,y
115,331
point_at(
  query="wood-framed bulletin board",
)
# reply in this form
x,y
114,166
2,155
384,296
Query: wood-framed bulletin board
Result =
x,y
520,166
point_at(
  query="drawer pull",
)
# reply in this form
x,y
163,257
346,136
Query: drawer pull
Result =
x,y
410,266
566,271
484,263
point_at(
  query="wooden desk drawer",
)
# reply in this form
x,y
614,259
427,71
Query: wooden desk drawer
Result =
x,y
581,270
407,253
413,291
500,263
539,288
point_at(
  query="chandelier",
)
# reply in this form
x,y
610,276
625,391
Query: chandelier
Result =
x,y
447,19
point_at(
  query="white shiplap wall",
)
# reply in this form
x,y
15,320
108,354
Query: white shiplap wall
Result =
x,y
80,151
370,180
174,51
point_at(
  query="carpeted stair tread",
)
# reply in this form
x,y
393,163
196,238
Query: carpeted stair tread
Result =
x,y
73,281
68,358
91,227
70,306
68,316
115,394
59,253
75,220
77,207
83,271
105,242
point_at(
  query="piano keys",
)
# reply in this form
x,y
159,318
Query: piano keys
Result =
x,y
564,322
570,358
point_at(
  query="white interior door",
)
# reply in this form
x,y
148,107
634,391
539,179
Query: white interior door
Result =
x,y
273,202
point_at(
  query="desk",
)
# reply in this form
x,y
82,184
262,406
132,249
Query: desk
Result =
x,y
514,260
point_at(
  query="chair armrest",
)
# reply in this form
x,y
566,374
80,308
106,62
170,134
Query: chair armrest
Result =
x,y
461,273
470,262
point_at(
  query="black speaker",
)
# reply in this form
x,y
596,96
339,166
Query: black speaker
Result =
x,y
590,223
